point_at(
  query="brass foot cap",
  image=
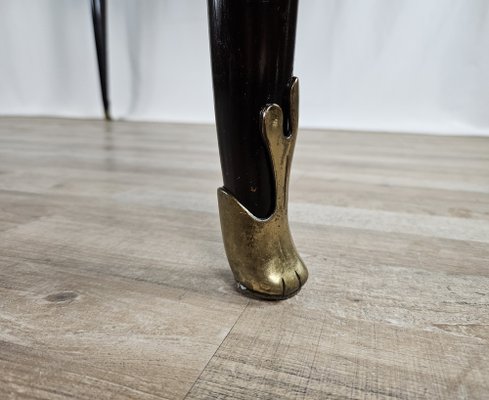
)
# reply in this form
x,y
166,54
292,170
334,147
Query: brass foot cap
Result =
x,y
265,296
261,251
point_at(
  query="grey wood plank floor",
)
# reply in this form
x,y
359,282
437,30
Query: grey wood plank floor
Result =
x,y
114,283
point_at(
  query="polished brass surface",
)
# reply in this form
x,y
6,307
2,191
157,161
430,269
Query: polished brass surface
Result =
x,y
261,252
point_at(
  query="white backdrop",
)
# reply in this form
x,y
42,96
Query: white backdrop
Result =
x,y
391,65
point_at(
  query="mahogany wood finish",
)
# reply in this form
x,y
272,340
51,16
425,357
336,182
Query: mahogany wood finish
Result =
x,y
252,51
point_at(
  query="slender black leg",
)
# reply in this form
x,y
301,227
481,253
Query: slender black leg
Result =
x,y
99,29
256,106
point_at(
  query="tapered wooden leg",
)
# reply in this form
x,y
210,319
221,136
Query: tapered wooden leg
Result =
x,y
252,50
256,107
99,29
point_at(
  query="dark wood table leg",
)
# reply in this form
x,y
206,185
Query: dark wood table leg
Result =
x,y
99,29
256,105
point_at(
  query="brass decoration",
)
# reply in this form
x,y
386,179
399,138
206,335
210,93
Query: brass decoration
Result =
x,y
261,252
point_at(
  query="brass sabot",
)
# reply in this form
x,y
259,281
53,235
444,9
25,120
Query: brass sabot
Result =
x,y
261,252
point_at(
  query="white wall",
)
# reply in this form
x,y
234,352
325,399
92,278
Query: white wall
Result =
x,y
393,65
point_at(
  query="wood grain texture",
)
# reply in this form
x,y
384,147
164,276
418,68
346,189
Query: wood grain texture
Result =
x,y
114,283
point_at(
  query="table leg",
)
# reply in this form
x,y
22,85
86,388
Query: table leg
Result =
x,y
99,29
256,107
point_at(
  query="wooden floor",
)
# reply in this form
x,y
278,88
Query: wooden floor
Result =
x,y
114,283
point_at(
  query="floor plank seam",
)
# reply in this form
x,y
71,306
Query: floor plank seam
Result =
x,y
213,355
